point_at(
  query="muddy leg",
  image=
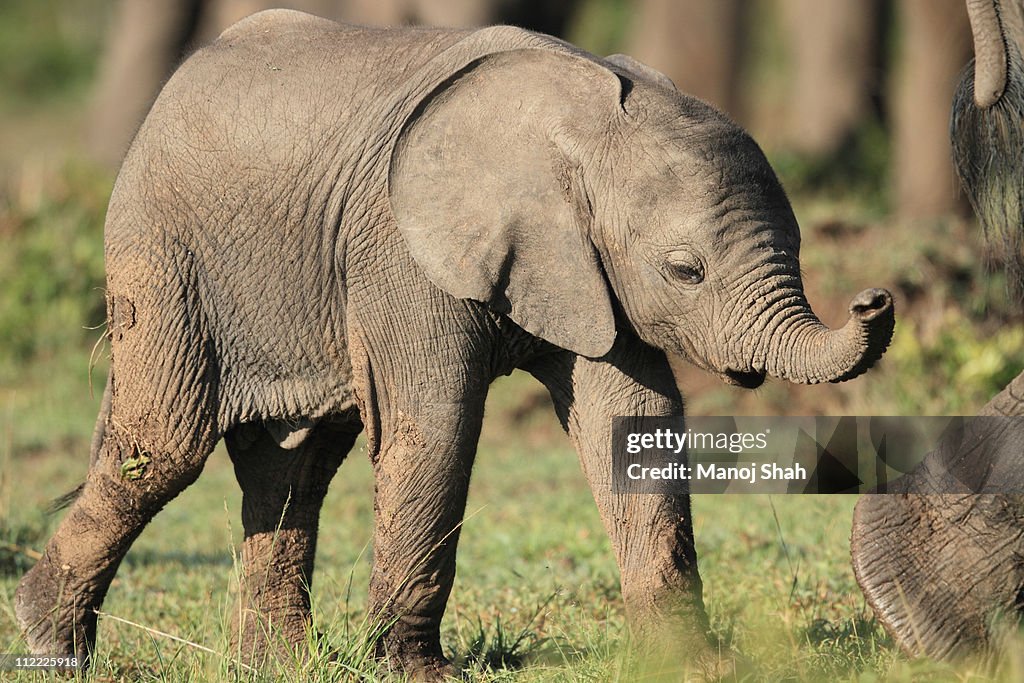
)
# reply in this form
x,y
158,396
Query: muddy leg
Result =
x,y
422,478
282,492
56,601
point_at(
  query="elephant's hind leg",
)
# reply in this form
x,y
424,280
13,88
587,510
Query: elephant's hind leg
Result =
x,y
282,492
127,484
160,428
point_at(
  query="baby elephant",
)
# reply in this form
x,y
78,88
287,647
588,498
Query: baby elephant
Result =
x,y
322,229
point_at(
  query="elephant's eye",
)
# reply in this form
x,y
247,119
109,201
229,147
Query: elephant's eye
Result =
x,y
688,269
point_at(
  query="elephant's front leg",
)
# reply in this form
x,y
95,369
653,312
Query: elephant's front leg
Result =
x,y
651,534
422,473
283,489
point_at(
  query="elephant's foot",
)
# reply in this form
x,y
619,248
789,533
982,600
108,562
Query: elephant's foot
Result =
x,y
281,639
712,664
671,663
943,573
680,650
419,659
55,617
428,669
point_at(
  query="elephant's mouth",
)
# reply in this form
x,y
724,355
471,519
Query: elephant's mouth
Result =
x,y
748,379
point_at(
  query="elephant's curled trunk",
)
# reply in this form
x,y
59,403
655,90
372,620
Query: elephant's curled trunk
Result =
x,y
805,351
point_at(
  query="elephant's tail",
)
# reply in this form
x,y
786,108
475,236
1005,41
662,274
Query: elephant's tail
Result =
x,y
99,432
64,500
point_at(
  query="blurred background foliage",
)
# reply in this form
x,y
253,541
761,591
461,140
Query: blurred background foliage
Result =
x,y
48,50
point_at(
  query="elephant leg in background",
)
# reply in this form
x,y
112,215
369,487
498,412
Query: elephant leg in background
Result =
x,y
936,43
282,492
651,534
833,45
939,569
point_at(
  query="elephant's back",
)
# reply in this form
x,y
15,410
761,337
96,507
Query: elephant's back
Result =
x,y
275,20
268,119
279,61
281,78
229,198
253,136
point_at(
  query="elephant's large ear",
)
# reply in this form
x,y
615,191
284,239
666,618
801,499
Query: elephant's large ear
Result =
x,y
485,187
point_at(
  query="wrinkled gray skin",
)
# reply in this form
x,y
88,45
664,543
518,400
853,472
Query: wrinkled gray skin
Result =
x,y
322,229
945,573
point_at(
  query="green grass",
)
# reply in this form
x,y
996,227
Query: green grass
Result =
x,y
536,596
537,586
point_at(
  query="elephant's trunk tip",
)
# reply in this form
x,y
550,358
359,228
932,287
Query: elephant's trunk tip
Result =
x,y
810,353
872,312
871,304
990,52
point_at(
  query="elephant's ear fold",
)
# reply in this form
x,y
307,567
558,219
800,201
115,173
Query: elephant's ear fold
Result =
x,y
485,186
634,68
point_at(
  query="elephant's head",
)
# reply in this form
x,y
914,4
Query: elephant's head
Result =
x,y
562,190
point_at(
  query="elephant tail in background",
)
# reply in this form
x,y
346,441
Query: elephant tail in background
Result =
x,y
65,499
987,144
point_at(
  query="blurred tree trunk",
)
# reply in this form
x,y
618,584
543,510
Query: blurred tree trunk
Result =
x,y
696,43
934,47
451,13
537,15
833,46
146,39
